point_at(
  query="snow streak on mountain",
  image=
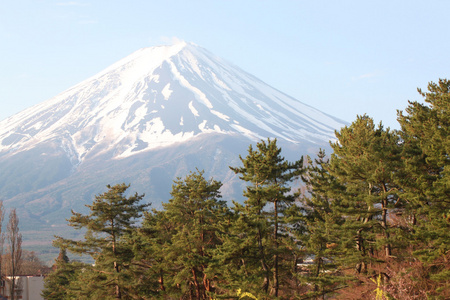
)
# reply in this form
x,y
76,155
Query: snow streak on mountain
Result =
x,y
157,97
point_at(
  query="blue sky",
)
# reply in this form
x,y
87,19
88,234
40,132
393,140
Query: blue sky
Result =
x,y
342,57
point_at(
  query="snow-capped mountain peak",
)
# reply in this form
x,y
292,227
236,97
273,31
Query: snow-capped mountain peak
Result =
x,y
159,96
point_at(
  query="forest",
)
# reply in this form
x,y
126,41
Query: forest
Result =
x,y
371,220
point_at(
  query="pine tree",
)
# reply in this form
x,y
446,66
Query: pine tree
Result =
x,y
183,237
365,160
57,284
267,232
317,220
238,257
425,181
112,216
150,244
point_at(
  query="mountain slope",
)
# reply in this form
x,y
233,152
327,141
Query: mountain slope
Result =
x,y
152,116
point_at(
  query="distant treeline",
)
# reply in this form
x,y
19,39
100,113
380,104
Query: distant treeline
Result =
x,y
372,222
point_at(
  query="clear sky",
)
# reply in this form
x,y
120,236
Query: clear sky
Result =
x,y
342,57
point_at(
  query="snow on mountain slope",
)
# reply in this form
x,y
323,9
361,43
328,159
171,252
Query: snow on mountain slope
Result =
x,y
149,118
159,96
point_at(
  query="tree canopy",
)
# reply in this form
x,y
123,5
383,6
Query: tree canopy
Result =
x,y
371,220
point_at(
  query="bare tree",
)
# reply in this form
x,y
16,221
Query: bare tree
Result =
x,y
32,265
14,239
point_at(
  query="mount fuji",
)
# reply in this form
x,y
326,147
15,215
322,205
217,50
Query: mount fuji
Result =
x,y
149,118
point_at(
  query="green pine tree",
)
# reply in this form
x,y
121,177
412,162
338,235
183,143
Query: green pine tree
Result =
x,y
425,180
112,216
57,283
317,219
267,244
150,266
183,237
364,161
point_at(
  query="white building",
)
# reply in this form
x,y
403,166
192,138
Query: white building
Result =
x,y
26,287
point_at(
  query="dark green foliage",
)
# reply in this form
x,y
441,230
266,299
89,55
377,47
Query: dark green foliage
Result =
x,y
426,175
317,221
260,245
112,217
60,284
194,212
149,265
176,246
382,194
353,203
364,161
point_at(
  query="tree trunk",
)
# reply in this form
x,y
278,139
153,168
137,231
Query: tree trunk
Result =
x,y
206,283
161,280
384,204
197,286
118,293
360,246
275,257
12,289
116,265
265,286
